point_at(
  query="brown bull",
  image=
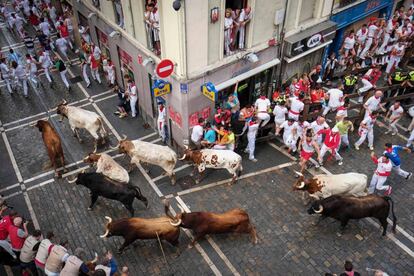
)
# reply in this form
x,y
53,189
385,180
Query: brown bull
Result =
x,y
204,223
53,144
132,229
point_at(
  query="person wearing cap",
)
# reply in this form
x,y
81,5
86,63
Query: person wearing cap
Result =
x,y
366,129
74,264
331,144
162,116
29,250
109,69
17,235
384,167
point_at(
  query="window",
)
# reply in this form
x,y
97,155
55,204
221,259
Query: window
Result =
x,y
119,14
96,3
306,11
152,26
236,17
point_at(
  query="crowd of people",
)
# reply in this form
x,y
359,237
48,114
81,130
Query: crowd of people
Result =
x,y
36,254
235,28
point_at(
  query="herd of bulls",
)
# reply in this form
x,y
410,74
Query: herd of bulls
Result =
x,y
342,197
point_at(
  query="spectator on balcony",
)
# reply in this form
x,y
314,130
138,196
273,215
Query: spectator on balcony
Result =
x,y
228,26
154,21
244,18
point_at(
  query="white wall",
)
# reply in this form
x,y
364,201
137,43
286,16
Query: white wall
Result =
x,y
262,24
214,33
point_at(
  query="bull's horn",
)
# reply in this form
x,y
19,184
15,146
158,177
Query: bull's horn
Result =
x,y
319,210
175,223
86,157
33,124
181,208
109,219
182,158
64,101
114,148
299,173
72,181
95,259
186,146
302,185
124,137
83,171
104,235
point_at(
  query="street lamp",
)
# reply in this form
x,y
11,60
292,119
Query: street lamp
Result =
x,y
177,5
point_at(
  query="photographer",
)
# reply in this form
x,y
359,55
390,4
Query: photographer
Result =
x,y
17,235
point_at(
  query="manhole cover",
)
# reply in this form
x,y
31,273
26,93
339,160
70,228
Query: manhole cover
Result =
x,y
186,182
76,79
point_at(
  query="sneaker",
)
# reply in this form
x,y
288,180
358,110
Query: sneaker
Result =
x,y
340,163
409,176
388,191
356,146
246,151
371,148
89,84
320,163
388,131
394,133
253,160
117,113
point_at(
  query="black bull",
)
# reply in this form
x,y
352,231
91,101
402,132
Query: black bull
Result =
x,y
99,185
345,208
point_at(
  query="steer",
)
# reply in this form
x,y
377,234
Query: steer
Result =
x,y
204,223
81,118
215,159
132,229
53,144
322,185
345,208
99,185
140,151
108,167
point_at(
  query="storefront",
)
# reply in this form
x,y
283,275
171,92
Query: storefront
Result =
x,y
125,63
357,15
103,43
302,51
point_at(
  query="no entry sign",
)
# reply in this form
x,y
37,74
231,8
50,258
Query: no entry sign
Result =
x,y
165,68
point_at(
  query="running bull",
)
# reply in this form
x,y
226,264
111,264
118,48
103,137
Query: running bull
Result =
x,y
53,145
204,223
215,159
322,185
345,208
132,229
100,185
81,118
140,151
107,166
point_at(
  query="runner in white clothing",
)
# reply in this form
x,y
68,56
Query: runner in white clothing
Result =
x,y
366,129
290,135
373,103
20,76
31,69
335,98
5,74
317,125
262,106
296,107
46,62
384,167
62,45
280,112
251,138
394,114
161,121
45,27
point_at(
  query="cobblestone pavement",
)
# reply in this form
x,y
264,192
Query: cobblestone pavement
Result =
x,y
289,243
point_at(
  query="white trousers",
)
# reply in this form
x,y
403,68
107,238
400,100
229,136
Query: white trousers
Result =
x,y
393,125
328,108
367,86
227,41
161,131
64,79
400,171
393,62
377,182
85,74
111,78
251,145
264,118
22,82
410,139
325,149
367,46
242,34
344,139
64,52
47,73
8,83
133,101
290,141
95,75
364,134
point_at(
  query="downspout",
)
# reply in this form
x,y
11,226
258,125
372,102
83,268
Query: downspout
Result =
x,y
282,46
132,17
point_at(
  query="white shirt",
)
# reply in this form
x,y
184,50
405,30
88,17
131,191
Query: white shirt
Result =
x,y
372,103
371,30
288,128
335,96
316,127
361,36
132,90
45,60
280,113
62,43
262,105
228,22
197,133
383,167
396,112
19,72
161,115
302,127
369,122
244,17
45,27
349,42
4,69
32,66
296,106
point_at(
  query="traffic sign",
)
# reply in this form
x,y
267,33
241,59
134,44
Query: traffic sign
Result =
x,y
165,68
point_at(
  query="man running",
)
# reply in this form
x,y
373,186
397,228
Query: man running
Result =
x,y
307,147
366,129
391,152
46,62
384,167
5,74
331,144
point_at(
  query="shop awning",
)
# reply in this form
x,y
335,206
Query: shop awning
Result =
x,y
292,59
247,74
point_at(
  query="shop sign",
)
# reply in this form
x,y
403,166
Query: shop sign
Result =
x,y
209,91
125,57
359,11
184,88
193,119
175,116
161,88
314,40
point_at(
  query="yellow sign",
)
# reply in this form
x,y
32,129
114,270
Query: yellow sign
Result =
x,y
162,89
209,91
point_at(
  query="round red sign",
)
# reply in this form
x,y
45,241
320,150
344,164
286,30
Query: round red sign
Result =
x,y
165,68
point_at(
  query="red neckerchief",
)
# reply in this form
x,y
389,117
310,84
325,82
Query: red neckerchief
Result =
x,y
388,150
161,108
252,123
263,97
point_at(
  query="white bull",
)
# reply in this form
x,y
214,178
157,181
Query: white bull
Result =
x,y
322,186
140,151
215,159
81,118
108,167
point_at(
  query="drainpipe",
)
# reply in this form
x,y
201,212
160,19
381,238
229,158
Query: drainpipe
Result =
x,y
282,46
131,16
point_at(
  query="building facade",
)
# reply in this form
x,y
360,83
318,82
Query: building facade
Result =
x,y
193,38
